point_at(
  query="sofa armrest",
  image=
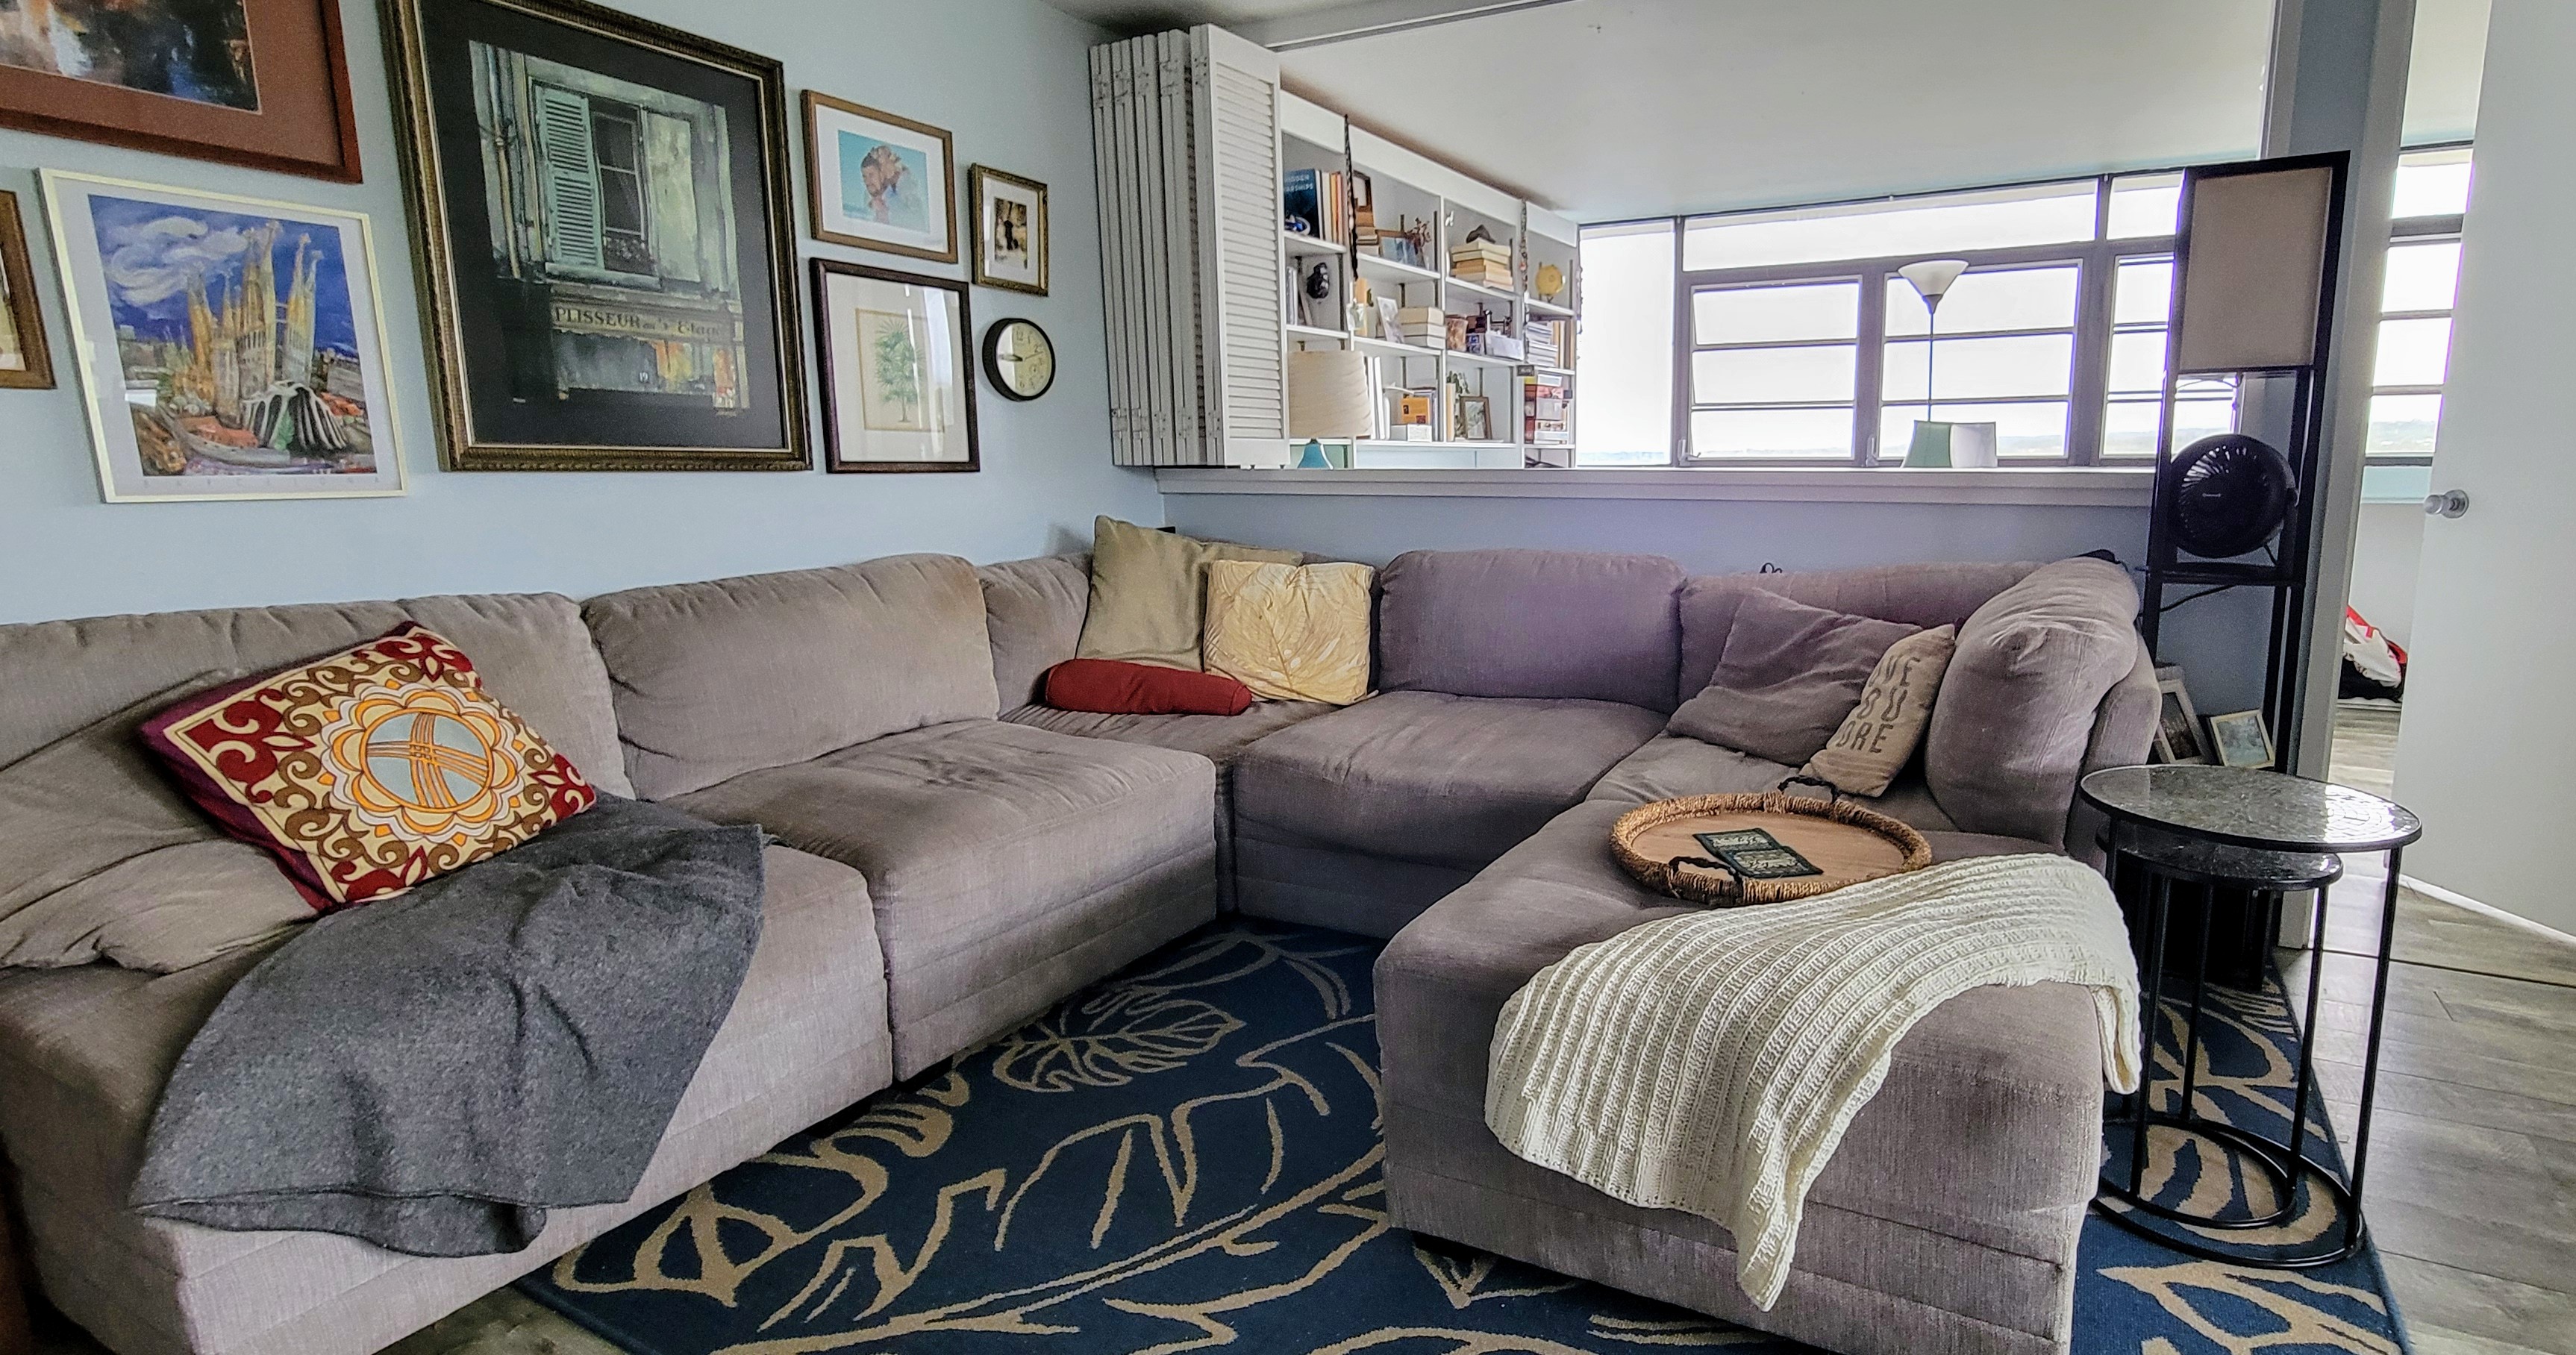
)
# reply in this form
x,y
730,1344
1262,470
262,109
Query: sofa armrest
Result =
x,y
2124,729
2015,725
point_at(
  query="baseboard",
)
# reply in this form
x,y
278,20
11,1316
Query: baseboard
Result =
x,y
2456,900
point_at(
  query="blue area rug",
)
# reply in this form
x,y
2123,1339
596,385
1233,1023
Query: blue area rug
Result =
x,y
1186,1157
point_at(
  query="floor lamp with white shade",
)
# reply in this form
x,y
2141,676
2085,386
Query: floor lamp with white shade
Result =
x,y
1936,443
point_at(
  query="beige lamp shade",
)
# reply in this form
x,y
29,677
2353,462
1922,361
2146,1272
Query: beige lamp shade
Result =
x,y
1329,394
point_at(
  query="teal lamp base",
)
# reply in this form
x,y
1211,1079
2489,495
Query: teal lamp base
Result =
x,y
1311,457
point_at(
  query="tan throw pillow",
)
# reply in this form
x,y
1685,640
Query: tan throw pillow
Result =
x,y
1289,632
1878,738
1149,592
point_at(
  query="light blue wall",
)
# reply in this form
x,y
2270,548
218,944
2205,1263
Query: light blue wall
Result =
x,y
2218,641
1008,77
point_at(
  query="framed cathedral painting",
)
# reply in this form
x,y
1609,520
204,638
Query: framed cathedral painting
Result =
x,y
600,209
249,82
230,348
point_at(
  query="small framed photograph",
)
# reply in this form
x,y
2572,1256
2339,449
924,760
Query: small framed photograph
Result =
x,y
879,181
898,376
24,362
2178,722
231,348
1010,230
1475,418
2240,739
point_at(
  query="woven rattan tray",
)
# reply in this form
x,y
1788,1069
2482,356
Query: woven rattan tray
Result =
x,y
1656,844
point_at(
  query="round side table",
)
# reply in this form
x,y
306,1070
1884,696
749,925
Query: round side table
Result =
x,y
2263,832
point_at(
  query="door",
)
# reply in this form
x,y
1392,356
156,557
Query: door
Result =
x,y
2487,752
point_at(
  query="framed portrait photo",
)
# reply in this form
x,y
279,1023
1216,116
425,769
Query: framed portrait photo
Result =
x,y
879,181
600,208
24,362
898,379
249,82
1010,230
230,348
2178,737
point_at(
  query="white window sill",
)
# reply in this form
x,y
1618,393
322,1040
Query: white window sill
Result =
x,y
2087,486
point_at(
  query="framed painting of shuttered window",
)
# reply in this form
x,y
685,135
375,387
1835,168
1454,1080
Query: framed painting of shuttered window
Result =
x,y
600,211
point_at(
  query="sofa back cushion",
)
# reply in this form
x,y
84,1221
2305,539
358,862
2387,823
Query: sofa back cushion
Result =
x,y
719,678
1921,596
1033,617
530,648
100,857
2019,703
1531,623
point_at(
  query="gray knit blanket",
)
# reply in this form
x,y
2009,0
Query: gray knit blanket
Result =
x,y
435,1071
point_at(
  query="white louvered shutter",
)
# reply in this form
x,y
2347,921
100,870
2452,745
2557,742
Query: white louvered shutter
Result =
x,y
571,167
1243,257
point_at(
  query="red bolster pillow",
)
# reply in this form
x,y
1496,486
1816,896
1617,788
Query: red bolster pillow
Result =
x,y
1115,688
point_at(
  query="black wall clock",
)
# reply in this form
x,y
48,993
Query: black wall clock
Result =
x,y
1019,359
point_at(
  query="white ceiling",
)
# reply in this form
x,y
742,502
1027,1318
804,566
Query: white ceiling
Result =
x,y
1608,109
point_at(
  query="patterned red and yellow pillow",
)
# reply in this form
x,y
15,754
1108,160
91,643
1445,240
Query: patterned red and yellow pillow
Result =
x,y
371,770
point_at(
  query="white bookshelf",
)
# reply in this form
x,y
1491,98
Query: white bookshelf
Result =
x,y
1408,189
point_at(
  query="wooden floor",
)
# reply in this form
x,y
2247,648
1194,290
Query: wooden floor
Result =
x,y
2471,1192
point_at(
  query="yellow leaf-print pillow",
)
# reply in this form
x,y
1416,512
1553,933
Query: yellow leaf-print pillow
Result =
x,y
1290,632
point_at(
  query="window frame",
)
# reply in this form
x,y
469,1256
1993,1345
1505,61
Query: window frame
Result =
x,y
2097,268
2418,230
2095,324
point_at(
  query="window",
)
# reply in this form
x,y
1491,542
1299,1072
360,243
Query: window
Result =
x,y
1805,344
2415,305
1799,342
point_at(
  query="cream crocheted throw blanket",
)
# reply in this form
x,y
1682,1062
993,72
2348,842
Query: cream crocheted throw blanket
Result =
x,y
1711,1062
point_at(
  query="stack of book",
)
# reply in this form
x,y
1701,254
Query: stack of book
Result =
x,y
1547,410
1487,263
1550,342
1422,326
1318,204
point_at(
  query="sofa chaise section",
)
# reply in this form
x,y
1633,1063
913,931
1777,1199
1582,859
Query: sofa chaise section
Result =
x,y
84,1051
852,712
1946,1221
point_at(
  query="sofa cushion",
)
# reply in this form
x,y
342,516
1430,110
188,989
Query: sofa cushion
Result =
x,y
1218,738
1999,1091
1433,778
101,858
971,832
1790,675
368,771
1532,624
85,1052
1033,619
1882,733
719,678
1112,687
1149,592
1922,596
1291,632
2017,708
531,648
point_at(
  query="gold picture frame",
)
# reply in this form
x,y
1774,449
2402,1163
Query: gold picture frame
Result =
x,y
919,222
528,325
1006,206
25,361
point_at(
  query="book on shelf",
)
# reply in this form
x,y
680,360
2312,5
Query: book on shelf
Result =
x,y
1317,203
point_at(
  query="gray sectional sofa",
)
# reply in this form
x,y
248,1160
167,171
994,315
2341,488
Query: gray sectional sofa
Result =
x,y
953,858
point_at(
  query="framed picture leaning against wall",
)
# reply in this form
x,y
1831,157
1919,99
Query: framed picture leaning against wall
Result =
x,y
600,209
25,364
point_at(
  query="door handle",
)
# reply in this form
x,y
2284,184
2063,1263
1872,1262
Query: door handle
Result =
x,y
2450,503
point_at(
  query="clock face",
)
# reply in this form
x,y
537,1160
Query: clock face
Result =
x,y
1019,359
